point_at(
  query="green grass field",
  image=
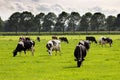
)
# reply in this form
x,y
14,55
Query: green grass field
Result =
x,y
101,63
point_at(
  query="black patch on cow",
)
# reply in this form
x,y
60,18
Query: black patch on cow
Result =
x,y
91,38
63,39
48,46
54,43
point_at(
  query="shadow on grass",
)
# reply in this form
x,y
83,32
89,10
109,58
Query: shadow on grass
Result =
x,y
71,67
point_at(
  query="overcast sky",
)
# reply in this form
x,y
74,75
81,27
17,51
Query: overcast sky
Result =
x,y
107,7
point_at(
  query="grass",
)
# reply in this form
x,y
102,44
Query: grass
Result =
x,y
101,63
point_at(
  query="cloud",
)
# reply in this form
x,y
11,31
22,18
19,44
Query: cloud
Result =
x,y
57,7
4,5
104,10
43,7
18,6
96,8
35,0
8,7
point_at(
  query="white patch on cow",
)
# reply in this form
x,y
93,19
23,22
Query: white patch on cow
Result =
x,y
21,42
57,42
88,41
50,42
101,41
53,47
82,42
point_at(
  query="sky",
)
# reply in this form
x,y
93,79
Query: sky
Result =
x,y
107,7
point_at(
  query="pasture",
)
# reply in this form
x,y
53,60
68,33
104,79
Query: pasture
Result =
x,y
101,63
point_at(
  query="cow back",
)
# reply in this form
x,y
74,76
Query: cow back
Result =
x,y
63,39
19,47
29,44
80,52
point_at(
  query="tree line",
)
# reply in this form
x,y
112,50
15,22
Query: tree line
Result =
x,y
27,22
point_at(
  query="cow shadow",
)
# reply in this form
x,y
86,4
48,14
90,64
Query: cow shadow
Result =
x,y
68,67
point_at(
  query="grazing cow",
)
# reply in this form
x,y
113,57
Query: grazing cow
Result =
x,y
53,45
23,46
91,38
38,39
54,37
80,52
105,40
63,39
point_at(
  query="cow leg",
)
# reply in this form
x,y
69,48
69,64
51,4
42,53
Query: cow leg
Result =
x,y
50,51
25,52
32,50
20,53
59,51
102,44
56,53
110,44
14,53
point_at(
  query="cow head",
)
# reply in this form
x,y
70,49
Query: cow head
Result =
x,y
49,46
18,49
14,53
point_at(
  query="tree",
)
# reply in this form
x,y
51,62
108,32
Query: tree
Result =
x,y
97,21
1,24
110,22
26,21
85,22
117,22
38,21
61,21
74,19
14,21
49,21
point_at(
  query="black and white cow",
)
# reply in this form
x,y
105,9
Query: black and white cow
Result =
x,y
91,38
24,46
63,39
105,40
53,45
54,37
38,39
80,51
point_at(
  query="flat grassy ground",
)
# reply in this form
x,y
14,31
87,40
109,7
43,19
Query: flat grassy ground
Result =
x,y
101,63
